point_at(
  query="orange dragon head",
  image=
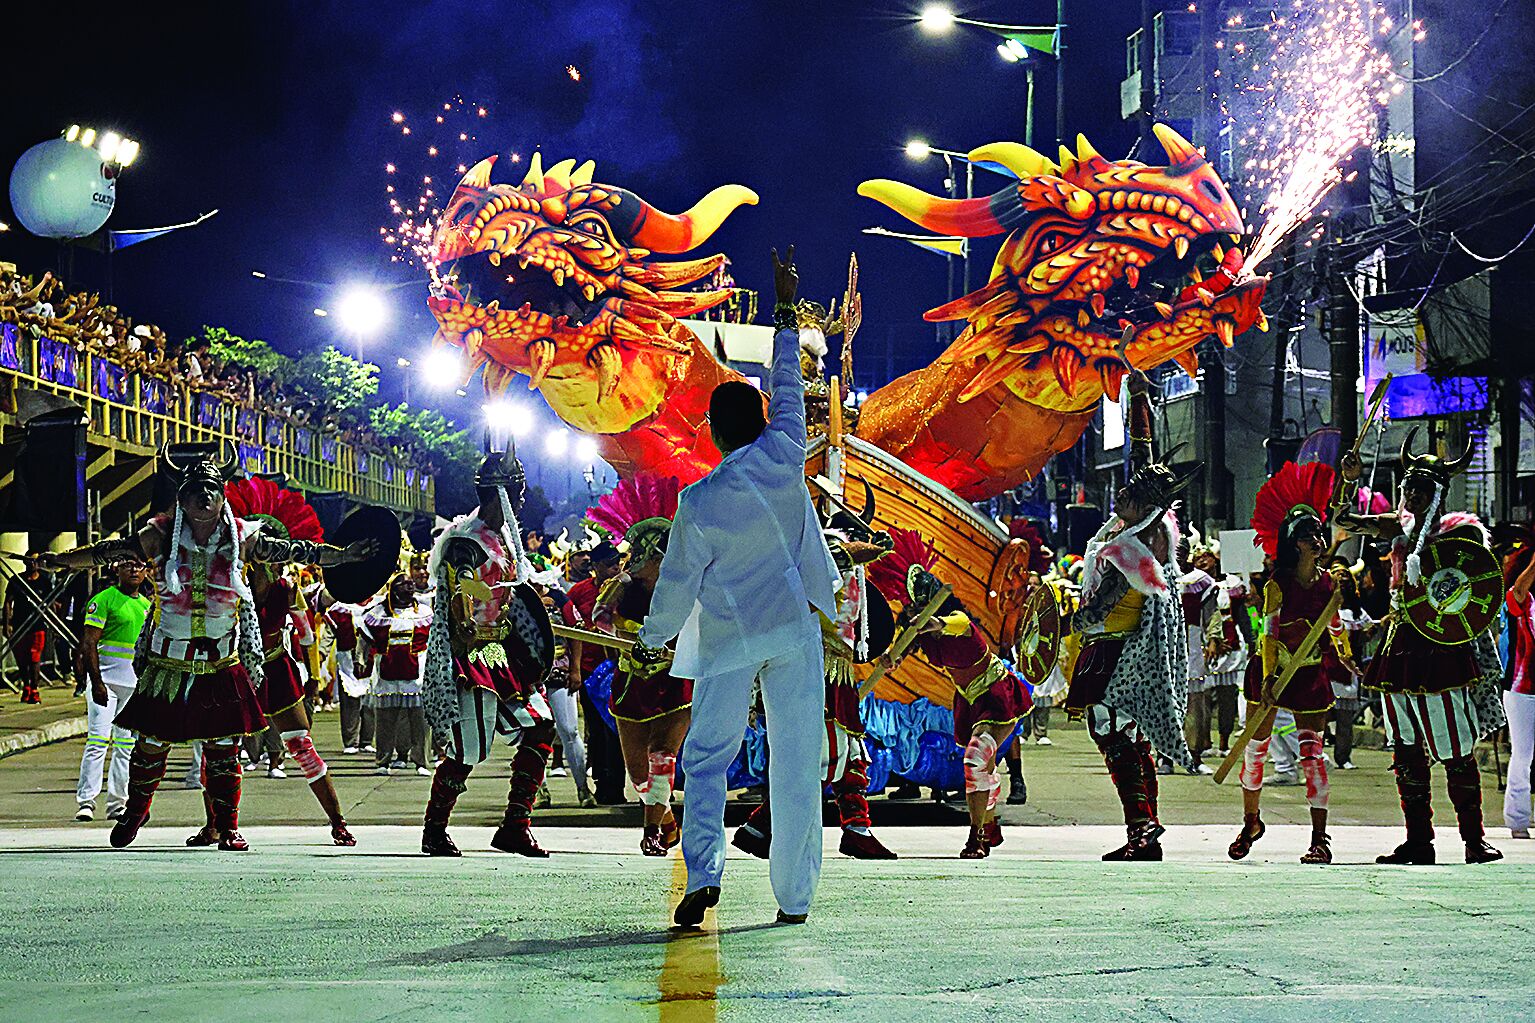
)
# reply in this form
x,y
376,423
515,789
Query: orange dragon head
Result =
x,y
552,278
1094,248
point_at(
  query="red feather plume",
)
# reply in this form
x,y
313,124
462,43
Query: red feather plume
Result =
x,y
258,498
1289,488
888,573
643,496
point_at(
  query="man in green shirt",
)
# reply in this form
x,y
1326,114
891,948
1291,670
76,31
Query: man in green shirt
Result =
x,y
113,620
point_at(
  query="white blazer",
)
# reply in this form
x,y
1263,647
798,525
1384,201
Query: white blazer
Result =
x,y
746,559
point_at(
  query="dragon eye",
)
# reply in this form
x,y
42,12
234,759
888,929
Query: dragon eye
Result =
x,y
1053,241
593,225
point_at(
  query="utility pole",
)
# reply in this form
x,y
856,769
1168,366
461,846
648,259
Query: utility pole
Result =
x,y
1217,478
1510,394
1340,314
1060,72
1147,57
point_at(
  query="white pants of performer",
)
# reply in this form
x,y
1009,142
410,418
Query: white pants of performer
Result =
x,y
794,696
1520,708
102,735
567,723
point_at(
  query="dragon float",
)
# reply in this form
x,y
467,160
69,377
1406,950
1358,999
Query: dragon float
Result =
x,y
1106,265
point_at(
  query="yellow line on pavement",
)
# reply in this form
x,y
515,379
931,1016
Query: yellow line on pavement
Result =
x,y
690,976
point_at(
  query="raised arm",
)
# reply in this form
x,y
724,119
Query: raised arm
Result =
x,y
262,547
786,405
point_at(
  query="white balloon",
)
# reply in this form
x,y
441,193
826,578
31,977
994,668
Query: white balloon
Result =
x,y
62,189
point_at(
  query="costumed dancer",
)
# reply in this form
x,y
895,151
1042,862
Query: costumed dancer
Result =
x,y
1519,699
1197,591
1440,698
854,544
357,726
582,661
200,659
395,630
1289,519
1130,676
989,698
651,706
282,516
1228,646
488,652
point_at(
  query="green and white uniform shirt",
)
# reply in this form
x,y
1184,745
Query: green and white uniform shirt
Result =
x,y
120,618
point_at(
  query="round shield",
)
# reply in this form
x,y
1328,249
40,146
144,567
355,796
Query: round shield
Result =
x,y
355,582
530,647
1460,591
881,625
1039,634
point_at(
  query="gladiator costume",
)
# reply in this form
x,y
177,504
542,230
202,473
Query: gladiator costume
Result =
x,y
645,690
1439,698
397,635
488,651
1130,676
200,660
986,691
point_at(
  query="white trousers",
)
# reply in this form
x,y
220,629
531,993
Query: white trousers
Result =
x,y
567,723
794,697
101,737
1520,708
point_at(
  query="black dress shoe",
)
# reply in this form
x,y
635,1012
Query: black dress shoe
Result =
x,y
792,918
690,911
749,840
1409,853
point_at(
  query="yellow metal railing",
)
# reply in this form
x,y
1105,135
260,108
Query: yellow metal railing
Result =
x,y
141,413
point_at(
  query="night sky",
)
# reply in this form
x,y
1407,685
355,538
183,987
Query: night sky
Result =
x,y
278,115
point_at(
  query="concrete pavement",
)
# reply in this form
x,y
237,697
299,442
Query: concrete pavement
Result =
x,y
1041,930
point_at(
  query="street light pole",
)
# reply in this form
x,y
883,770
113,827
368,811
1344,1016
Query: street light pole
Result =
x,y
1028,116
1060,72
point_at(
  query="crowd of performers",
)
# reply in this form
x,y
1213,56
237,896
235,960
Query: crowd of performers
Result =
x,y
202,639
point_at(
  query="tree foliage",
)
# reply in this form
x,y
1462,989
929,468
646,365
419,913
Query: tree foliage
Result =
x,y
335,379
247,353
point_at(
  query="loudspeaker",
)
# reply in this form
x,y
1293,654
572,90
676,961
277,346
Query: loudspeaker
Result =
x,y
1082,521
48,495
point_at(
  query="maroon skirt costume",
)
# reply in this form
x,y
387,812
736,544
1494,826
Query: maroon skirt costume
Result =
x,y
648,698
191,689
1310,688
986,692
281,687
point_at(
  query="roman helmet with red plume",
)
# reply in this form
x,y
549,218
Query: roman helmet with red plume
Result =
x,y
1039,552
639,511
1291,496
910,556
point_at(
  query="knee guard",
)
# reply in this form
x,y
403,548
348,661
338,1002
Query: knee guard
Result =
x,y
1314,768
980,765
663,771
301,748
1253,758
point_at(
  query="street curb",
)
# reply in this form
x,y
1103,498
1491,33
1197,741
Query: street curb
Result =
x,y
57,731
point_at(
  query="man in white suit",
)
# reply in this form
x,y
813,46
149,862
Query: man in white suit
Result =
x,y
745,569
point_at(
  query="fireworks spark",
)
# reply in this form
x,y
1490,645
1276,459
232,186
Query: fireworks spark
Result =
x,y
444,141
1309,98
574,72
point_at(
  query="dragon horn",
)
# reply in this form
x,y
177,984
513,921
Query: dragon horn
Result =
x,y
558,176
1178,148
478,176
969,218
664,232
868,504
583,174
535,175
1016,157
